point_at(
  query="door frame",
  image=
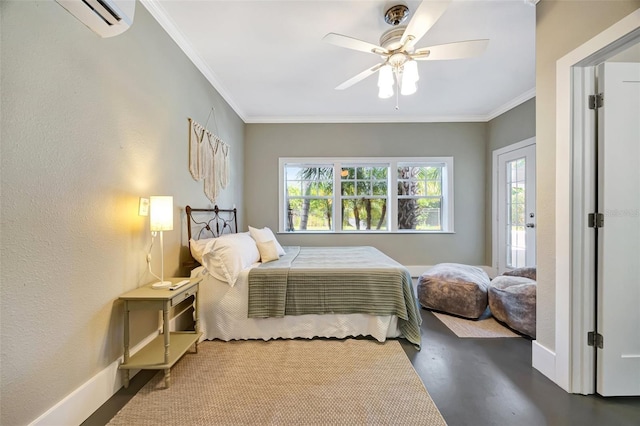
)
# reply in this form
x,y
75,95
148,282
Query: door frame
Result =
x,y
573,368
494,195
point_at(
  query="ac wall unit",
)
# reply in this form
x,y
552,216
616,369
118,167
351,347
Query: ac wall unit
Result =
x,y
106,18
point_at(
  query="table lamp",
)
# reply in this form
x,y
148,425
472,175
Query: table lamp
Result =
x,y
161,219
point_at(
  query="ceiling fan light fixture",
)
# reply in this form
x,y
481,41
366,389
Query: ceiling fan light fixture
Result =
x,y
398,52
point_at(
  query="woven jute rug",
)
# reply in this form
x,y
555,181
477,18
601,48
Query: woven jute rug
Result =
x,y
296,382
485,327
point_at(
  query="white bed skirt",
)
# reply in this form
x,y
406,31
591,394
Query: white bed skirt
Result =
x,y
223,315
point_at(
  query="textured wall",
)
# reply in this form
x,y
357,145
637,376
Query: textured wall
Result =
x,y
511,127
265,143
561,26
88,126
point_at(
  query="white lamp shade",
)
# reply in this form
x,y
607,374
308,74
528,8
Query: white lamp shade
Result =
x,y
161,213
385,92
410,72
408,88
385,77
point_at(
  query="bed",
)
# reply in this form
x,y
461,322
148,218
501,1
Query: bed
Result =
x,y
253,288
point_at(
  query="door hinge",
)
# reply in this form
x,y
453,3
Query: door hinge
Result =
x,y
596,220
595,339
596,101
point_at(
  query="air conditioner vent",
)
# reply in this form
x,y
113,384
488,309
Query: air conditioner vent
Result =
x,y
104,11
106,18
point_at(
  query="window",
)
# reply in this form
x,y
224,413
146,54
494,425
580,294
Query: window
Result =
x,y
371,194
309,196
420,197
364,197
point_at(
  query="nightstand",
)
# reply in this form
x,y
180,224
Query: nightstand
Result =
x,y
168,347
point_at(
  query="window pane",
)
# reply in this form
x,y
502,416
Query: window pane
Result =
x,y
434,188
293,188
407,213
430,214
348,188
363,173
364,214
406,187
380,187
311,214
309,196
420,197
364,188
422,214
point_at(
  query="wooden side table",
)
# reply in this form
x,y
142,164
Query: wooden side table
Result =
x,y
166,349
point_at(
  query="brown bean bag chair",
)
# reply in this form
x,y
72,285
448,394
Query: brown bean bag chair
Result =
x,y
455,289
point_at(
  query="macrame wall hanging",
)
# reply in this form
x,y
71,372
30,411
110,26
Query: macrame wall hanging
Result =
x,y
208,158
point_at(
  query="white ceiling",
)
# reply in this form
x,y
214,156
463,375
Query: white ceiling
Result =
x,y
267,58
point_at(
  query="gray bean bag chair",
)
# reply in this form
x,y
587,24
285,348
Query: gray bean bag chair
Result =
x,y
512,300
455,289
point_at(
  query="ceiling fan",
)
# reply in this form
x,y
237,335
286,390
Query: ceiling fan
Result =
x,y
397,48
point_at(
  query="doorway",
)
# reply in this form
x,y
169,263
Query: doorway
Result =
x,y
514,239
575,358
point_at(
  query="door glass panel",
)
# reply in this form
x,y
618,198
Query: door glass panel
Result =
x,y
515,203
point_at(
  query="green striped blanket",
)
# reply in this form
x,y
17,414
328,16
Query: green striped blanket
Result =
x,y
335,280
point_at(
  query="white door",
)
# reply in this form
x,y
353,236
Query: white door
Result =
x,y
618,287
516,206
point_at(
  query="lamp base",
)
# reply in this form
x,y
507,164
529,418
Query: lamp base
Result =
x,y
162,284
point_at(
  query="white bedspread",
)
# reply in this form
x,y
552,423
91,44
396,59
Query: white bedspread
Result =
x,y
223,315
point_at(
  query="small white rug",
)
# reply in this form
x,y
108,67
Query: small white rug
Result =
x,y
482,328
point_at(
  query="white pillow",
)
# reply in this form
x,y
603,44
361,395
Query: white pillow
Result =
x,y
229,255
265,234
199,247
268,251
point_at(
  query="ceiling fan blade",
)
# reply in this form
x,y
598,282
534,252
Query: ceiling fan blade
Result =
x,y
353,43
364,74
458,50
423,19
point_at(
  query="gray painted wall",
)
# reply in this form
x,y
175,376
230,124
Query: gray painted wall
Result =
x,y
511,127
265,143
88,126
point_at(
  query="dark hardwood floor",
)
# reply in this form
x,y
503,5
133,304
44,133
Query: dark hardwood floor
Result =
x,y
491,382
478,382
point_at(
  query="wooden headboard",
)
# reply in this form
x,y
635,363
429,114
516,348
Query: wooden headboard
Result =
x,y
211,223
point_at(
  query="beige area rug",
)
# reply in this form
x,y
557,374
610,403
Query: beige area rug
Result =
x,y
482,328
312,382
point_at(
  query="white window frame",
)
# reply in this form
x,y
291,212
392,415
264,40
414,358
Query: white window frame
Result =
x,y
392,215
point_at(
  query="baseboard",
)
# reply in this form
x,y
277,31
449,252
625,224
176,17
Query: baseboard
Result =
x,y
543,360
417,270
85,400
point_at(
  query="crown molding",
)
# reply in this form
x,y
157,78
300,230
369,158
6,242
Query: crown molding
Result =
x,y
364,119
529,94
